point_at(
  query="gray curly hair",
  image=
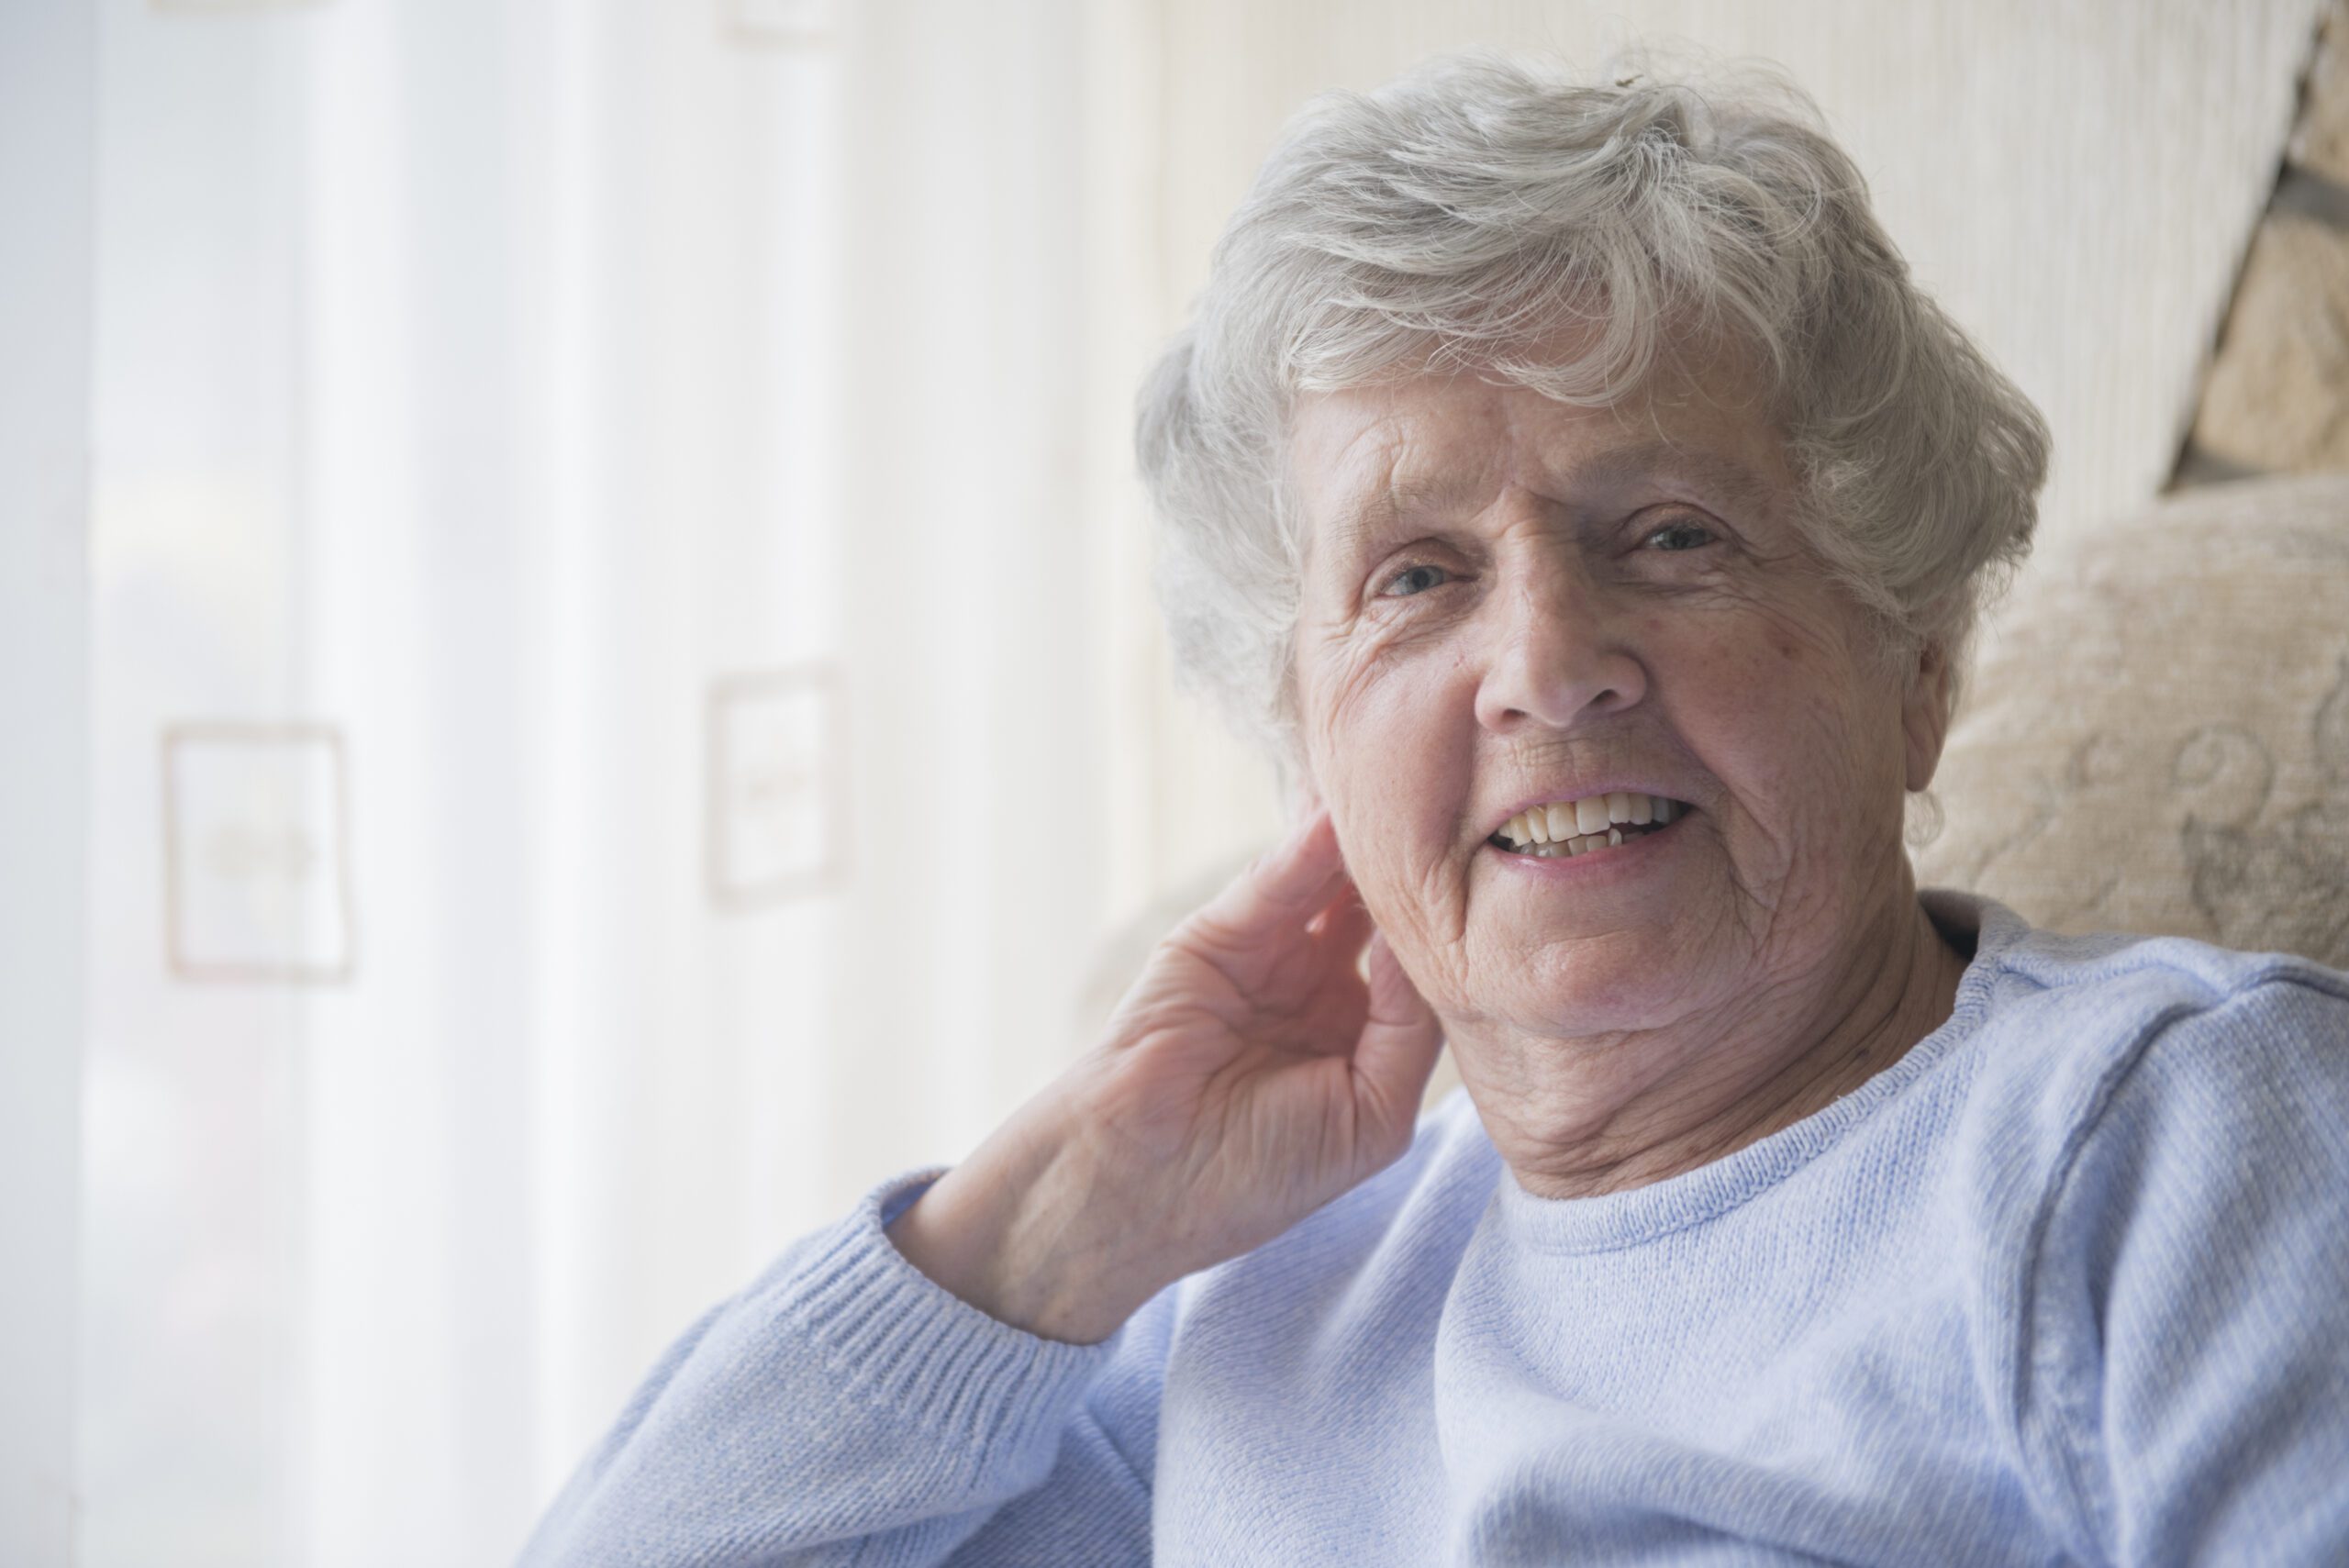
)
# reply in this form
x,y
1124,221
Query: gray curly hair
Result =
x,y
1455,219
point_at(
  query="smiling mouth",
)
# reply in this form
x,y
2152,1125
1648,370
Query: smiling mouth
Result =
x,y
1563,827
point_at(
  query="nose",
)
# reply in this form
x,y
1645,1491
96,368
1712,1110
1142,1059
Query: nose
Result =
x,y
1557,661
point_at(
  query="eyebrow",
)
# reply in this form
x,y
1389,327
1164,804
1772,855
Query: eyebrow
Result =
x,y
1714,474
1382,510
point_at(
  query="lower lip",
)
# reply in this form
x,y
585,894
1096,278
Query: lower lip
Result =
x,y
1633,857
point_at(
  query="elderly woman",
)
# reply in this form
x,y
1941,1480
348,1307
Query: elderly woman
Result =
x,y
1573,490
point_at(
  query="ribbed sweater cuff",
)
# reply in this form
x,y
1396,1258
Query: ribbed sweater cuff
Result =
x,y
903,1341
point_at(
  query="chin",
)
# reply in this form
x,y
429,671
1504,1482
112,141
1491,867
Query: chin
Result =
x,y
1599,985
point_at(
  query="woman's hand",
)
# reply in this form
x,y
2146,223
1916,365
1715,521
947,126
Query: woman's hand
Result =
x,y
1249,1076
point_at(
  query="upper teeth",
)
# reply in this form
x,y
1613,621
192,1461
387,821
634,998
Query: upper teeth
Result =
x,y
1563,821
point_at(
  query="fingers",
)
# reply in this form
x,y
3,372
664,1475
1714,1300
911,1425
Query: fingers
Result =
x,y
1400,1040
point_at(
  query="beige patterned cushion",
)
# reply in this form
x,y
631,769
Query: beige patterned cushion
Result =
x,y
2158,739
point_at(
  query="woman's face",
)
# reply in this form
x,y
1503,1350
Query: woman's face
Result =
x,y
1511,602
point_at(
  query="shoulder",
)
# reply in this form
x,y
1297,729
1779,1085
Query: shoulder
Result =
x,y
2136,1120
2212,1110
2164,1137
2115,973
2210,1083
2066,1030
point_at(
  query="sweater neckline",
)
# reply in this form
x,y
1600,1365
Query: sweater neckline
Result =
x,y
1617,1221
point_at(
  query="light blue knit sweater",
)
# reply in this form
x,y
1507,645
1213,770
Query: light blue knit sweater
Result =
x,y
2069,1282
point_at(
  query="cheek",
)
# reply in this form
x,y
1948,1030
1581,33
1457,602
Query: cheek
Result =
x,y
1379,710
1815,744
1393,741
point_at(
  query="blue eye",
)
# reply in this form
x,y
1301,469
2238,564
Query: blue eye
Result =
x,y
1681,536
1415,580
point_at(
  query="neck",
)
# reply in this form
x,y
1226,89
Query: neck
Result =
x,y
1577,1117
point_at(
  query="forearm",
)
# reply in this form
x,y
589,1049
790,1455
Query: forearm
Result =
x,y
841,1402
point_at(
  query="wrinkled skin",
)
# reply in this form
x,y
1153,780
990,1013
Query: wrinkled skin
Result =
x,y
1507,597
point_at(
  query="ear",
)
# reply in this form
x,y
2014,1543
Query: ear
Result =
x,y
1925,716
1299,790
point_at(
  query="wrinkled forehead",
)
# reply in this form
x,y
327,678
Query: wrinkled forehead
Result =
x,y
1368,464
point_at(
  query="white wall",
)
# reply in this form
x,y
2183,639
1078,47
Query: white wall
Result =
x,y
46,91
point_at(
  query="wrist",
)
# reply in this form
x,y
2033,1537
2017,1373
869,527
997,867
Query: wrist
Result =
x,y
1013,1232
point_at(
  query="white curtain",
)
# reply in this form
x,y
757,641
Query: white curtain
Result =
x,y
596,721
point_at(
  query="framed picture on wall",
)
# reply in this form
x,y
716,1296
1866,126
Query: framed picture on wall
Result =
x,y
780,21
776,790
257,854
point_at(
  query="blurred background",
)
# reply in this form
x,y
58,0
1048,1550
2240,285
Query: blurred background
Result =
x,y
579,678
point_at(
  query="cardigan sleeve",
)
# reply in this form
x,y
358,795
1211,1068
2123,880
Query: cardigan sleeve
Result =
x,y
845,1407
2190,1323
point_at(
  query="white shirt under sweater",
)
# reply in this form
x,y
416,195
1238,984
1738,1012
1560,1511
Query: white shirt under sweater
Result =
x,y
2067,1283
